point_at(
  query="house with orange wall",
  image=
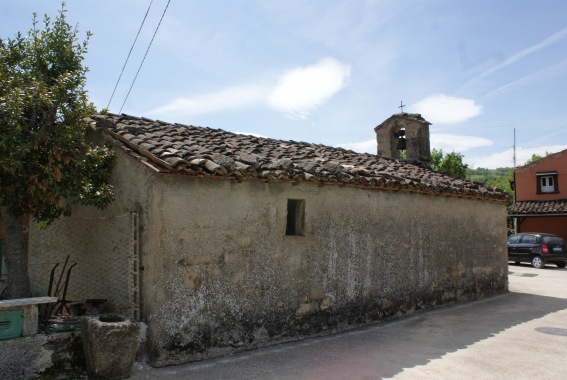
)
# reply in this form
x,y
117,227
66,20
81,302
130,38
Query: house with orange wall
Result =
x,y
541,196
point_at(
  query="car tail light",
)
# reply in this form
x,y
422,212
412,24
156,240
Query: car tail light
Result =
x,y
544,249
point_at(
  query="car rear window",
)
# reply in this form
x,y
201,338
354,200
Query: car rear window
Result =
x,y
552,240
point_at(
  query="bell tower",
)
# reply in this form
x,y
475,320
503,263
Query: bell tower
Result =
x,y
407,132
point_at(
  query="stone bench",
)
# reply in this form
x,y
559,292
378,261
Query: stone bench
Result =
x,y
28,306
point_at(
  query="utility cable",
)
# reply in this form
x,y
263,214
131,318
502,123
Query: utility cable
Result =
x,y
143,59
128,57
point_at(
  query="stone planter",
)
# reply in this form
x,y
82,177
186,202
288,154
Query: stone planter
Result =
x,y
110,343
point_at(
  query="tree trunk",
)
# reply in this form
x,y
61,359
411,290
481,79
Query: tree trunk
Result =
x,y
18,279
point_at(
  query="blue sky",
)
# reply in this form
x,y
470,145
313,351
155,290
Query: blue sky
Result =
x,y
329,71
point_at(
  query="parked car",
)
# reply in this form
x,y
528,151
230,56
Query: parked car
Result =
x,y
538,249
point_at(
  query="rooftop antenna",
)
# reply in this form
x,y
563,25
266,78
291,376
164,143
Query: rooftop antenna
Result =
x,y
514,157
401,107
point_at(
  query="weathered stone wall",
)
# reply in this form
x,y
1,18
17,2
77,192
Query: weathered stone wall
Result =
x,y
221,274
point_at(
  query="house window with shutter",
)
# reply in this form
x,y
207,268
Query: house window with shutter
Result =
x,y
547,183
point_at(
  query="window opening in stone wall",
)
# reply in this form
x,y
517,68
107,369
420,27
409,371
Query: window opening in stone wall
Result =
x,y
295,217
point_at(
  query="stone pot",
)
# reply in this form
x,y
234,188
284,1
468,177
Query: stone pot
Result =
x,y
110,343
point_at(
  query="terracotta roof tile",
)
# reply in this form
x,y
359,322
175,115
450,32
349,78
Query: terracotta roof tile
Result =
x,y
185,149
556,207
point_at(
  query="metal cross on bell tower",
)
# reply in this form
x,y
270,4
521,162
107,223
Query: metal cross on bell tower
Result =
x,y
401,107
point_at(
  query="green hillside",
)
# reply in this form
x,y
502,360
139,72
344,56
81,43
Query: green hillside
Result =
x,y
499,178
489,175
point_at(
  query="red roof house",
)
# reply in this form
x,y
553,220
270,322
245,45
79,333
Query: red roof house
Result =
x,y
541,196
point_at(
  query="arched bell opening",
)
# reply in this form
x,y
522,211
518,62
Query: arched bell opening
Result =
x,y
397,143
401,136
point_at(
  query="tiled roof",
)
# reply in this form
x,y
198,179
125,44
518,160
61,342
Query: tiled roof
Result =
x,y
190,150
557,207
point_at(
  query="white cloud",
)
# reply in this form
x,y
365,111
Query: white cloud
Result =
x,y
297,92
302,89
228,98
367,146
443,109
505,159
447,142
457,143
250,134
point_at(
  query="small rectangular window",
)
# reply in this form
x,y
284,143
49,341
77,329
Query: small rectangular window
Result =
x,y
547,182
295,217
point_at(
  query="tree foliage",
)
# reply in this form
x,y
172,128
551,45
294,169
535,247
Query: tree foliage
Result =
x,y
484,175
451,163
46,161
503,183
536,157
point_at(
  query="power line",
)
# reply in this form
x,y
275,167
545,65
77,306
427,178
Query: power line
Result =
x,y
143,59
130,52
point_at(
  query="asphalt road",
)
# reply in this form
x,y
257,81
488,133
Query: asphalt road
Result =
x,y
519,335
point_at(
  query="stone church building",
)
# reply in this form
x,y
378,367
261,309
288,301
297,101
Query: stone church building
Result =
x,y
222,242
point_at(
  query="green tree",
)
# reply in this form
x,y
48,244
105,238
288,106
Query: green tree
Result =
x,y
46,161
535,157
503,183
451,164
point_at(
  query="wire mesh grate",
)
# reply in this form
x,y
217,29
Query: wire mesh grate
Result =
x,y
100,256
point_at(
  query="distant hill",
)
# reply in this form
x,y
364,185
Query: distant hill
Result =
x,y
499,178
484,175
